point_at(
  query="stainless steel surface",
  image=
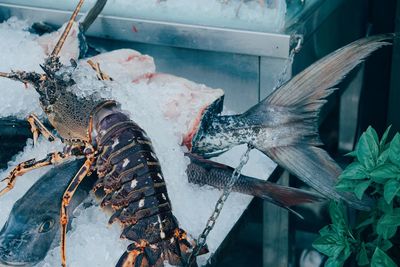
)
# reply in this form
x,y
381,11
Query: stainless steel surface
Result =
x,y
276,232
164,33
270,72
300,18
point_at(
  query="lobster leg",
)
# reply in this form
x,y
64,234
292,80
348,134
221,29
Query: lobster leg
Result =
x,y
68,194
100,74
37,128
29,165
135,256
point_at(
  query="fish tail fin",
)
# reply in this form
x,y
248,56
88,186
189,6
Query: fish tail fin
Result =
x,y
202,171
295,108
175,250
284,196
284,126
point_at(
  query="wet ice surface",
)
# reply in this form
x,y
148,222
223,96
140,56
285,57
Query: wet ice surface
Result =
x,y
234,14
19,51
91,242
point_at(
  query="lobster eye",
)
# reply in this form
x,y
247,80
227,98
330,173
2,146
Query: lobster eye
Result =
x,y
46,226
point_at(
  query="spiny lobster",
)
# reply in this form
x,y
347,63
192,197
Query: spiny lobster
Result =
x,y
119,150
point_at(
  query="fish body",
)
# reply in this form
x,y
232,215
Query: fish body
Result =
x,y
32,226
284,126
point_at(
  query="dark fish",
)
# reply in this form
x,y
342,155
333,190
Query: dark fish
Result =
x,y
205,172
284,126
33,223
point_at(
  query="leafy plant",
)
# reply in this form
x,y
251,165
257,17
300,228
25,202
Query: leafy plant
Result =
x,y
375,171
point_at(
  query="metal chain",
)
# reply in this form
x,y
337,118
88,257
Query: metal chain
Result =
x,y
298,41
201,240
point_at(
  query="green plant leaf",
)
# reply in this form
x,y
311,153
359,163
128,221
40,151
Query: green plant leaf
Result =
x,y
360,188
384,206
326,230
381,259
392,187
385,244
354,171
330,245
351,154
382,143
387,225
346,185
331,262
362,256
394,153
383,157
368,148
383,172
369,220
337,214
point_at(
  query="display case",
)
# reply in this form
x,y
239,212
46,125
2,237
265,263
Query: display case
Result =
x,y
242,47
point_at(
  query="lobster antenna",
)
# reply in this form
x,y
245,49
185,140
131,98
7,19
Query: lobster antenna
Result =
x,y
92,15
63,37
4,74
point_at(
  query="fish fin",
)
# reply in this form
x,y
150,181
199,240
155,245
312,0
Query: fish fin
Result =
x,y
313,83
203,171
284,125
315,167
206,163
284,196
295,107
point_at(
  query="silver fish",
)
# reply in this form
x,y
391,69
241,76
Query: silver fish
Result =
x,y
284,126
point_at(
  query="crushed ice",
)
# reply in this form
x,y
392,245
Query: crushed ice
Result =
x,y
233,14
91,242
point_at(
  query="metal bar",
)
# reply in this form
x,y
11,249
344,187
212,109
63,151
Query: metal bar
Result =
x,y
165,33
276,233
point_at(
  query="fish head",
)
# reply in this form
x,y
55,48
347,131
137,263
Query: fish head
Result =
x,y
32,227
199,139
25,239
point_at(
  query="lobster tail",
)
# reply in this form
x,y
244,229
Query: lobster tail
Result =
x,y
132,180
174,251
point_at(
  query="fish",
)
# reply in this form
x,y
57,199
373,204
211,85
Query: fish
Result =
x,y
202,171
284,126
32,227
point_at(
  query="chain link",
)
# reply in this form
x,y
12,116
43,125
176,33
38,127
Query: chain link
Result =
x,y
297,41
201,240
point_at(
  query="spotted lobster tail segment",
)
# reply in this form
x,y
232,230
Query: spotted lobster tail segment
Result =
x,y
131,178
175,251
